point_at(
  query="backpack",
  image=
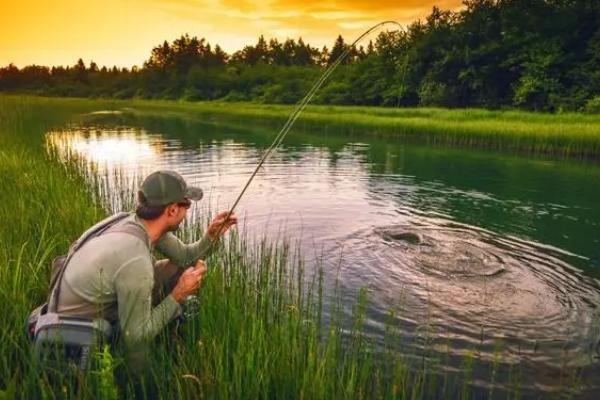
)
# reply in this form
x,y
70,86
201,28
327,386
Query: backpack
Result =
x,y
59,336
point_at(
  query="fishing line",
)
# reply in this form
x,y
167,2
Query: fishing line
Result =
x,y
298,110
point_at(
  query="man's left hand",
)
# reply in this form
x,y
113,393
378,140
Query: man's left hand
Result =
x,y
220,224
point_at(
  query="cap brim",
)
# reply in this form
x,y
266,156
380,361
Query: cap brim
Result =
x,y
194,193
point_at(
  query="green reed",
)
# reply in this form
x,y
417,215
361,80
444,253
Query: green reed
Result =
x,y
569,135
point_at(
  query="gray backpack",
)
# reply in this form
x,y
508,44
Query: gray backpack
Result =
x,y
72,338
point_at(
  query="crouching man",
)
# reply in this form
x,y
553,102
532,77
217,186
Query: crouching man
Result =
x,y
113,274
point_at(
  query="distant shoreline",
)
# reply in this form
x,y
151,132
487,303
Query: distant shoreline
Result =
x,y
565,135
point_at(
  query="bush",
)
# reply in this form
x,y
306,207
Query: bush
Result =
x,y
592,106
235,95
433,93
335,93
286,92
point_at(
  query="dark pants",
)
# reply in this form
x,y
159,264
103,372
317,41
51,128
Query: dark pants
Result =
x,y
166,274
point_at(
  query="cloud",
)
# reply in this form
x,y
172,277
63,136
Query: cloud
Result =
x,y
368,6
318,23
328,10
241,5
123,32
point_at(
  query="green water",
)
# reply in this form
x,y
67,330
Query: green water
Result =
x,y
477,246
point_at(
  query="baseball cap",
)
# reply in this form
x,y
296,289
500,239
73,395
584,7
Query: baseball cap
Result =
x,y
165,187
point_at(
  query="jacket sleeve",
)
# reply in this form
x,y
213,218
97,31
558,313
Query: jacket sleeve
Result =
x,y
138,321
184,255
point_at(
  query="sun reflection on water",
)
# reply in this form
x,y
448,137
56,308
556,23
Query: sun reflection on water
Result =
x,y
119,159
107,150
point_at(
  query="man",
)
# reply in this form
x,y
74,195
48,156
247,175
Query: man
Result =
x,y
114,276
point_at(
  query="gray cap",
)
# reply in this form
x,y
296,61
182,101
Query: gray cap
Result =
x,y
165,187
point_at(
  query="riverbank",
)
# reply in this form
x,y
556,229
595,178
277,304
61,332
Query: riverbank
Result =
x,y
569,135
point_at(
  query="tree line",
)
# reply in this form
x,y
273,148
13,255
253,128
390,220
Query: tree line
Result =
x,y
532,54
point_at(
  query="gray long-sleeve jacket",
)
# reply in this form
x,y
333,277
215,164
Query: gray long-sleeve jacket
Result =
x,y
112,276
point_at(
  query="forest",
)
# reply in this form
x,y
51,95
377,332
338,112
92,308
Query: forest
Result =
x,y
539,55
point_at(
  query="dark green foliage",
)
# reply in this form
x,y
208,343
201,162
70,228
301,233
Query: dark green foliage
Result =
x,y
593,105
541,55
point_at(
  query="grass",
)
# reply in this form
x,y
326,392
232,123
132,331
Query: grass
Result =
x,y
566,135
569,135
260,333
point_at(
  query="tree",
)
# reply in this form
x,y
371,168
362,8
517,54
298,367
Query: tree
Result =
x,y
303,54
9,77
79,66
533,54
339,47
324,56
370,48
160,57
219,57
277,55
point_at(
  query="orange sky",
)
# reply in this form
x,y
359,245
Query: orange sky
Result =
x,y
123,32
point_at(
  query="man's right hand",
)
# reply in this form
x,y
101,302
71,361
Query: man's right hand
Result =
x,y
189,282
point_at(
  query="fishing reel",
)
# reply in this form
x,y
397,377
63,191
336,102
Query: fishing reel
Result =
x,y
190,307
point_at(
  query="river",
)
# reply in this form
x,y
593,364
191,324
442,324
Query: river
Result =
x,y
480,253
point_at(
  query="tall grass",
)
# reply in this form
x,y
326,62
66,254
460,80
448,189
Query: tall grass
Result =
x,y
44,205
569,135
565,135
260,332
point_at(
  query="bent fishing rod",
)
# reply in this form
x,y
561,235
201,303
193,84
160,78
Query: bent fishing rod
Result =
x,y
300,106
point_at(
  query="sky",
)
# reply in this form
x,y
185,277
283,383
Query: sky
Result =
x,y
123,32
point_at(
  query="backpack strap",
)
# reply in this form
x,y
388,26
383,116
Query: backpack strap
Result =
x,y
94,231
131,229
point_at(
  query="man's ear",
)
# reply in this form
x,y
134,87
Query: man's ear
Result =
x,y
171,210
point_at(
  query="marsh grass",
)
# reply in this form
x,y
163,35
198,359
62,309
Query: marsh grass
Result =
x,y
568,135
261,332
563,135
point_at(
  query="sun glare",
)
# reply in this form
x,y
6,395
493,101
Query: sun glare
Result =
x,y
122,149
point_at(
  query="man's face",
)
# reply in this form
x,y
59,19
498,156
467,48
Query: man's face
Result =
x,y
179,214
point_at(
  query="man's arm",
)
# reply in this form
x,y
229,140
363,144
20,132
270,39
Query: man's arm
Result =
x,y
183,254
187,254
137,319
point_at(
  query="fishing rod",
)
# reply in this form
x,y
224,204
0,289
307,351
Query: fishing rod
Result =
x,y
300,106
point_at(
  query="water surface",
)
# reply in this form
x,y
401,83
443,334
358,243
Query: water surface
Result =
x,y
476,251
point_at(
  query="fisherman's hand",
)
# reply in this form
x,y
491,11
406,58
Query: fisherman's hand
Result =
x,y
189,282
220,224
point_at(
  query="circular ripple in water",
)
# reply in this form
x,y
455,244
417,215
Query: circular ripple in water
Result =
x,y
454,255
462,281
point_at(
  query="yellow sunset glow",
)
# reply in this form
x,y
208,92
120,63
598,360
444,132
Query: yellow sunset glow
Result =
x,y
123,32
